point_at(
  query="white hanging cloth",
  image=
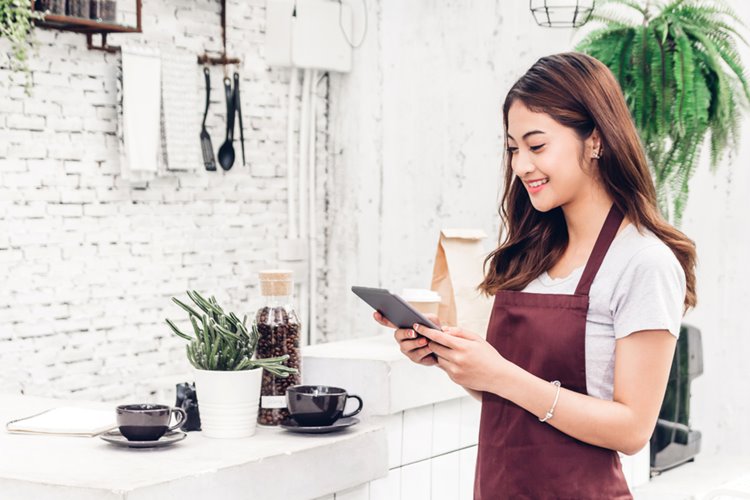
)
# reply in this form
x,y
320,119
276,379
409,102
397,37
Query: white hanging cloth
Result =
x,y
139,113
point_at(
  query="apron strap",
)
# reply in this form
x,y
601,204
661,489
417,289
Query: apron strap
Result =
x,y
606,236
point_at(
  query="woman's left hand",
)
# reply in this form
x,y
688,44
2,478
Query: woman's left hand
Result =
x,y
468,359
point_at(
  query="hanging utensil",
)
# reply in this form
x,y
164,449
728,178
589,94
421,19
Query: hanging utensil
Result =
x,y
238,107
226,151
206,147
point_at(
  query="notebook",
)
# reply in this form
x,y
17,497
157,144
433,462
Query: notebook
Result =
x,y
68,421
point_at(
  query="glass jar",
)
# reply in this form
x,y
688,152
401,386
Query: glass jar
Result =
x,y
279,334
103,10
78,8
51,6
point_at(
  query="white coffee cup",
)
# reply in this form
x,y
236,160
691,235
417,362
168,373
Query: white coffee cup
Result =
x,y
423,300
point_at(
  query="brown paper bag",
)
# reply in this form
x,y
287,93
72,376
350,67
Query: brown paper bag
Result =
x,y
457,272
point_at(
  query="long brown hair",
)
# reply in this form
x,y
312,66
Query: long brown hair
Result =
x,y
580,92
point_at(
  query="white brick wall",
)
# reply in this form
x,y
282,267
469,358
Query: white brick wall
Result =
x,y
414,140
87,263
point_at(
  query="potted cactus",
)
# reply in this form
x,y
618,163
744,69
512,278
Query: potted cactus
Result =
x,y
227,377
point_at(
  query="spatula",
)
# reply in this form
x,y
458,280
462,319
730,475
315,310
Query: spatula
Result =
x,y
206,147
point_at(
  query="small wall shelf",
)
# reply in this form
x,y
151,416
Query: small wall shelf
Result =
x,y
91,27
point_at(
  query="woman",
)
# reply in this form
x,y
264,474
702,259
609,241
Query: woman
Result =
x,y
590,286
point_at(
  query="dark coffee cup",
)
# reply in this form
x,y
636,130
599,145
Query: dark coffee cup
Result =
x,y
147,422
318,405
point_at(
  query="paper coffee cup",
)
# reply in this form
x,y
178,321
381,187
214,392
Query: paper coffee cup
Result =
x,y
423,300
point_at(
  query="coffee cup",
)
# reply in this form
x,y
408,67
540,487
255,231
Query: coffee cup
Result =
x,y
147,422
318,405
423,300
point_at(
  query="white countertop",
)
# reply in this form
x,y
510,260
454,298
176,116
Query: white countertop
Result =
x,y
375,369
271,464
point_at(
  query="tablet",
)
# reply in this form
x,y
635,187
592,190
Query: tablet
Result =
x,y
394,308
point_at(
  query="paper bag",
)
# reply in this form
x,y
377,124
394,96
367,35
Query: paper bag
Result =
x,y
458,271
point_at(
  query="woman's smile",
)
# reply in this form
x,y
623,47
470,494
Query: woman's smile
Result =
x,y
537,185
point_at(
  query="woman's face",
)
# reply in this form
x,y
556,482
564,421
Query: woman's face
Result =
x,y
542,149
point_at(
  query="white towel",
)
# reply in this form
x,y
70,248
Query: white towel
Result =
x,y
139,110
180,110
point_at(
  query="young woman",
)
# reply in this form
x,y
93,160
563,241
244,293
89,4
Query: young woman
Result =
x,y
590,286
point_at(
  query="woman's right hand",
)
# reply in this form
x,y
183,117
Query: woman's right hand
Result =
x,y
412,345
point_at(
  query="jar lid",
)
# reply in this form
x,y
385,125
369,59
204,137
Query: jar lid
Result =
x,y
276,282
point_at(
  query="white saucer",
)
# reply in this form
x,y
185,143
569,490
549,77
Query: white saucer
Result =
x,y
114,437
291,425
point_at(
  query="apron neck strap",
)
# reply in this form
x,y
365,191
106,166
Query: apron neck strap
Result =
x,y
606,236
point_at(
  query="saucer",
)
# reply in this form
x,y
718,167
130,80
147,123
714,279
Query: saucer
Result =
x,y
291,425
114,437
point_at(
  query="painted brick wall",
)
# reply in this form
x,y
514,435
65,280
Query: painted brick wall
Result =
x,y
417,134
87,263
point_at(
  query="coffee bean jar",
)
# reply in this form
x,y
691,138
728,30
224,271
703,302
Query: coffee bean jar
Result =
x,y
279,330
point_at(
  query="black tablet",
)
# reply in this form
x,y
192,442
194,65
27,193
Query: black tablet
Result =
x,y
394,308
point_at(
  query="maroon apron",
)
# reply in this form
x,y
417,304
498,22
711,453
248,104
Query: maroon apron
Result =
x,y
519,456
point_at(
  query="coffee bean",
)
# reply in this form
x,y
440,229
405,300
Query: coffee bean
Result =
x,y
279,330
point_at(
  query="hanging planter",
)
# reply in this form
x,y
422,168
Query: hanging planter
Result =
x,y
683,80
561,13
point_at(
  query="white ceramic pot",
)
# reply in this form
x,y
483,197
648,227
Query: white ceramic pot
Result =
x,y
228,402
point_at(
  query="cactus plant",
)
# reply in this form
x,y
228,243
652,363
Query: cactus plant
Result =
x,y
222,342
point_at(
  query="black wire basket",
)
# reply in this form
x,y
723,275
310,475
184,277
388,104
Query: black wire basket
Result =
x,y
561,13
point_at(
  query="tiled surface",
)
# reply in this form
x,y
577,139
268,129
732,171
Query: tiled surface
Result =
x,y
445,480
361,492
466,464
394,427
636,467
415,481
431,430
470,412
426,457
417,434
387,488
641,470
446,427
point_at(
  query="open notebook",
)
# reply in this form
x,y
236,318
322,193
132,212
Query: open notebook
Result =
x,y
68,421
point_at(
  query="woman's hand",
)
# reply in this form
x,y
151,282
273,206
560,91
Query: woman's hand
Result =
x,y
468,359
415,348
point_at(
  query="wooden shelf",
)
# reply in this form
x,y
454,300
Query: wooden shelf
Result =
x,y
81,25
90,27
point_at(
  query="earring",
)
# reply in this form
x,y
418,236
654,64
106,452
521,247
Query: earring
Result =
x,y
595,155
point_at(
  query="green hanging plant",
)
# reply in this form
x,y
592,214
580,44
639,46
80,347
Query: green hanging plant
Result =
x,y
16,25
682,77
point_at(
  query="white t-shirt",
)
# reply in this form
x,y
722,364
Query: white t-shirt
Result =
x,y
640,286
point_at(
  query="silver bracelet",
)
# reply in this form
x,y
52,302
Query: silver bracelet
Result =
x,y
551,411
